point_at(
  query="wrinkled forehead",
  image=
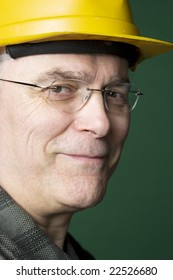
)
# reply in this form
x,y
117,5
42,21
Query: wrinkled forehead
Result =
x,y
44,68
41,64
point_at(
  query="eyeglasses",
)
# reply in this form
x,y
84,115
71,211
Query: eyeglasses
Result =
x,y
73,94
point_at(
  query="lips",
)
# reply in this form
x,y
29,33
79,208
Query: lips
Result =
x,y
87,156
97,150
86,159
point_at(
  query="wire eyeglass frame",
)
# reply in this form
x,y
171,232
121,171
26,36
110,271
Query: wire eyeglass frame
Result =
x,y
81,94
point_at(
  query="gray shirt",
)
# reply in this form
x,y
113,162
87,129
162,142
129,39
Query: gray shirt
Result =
x,y
22,239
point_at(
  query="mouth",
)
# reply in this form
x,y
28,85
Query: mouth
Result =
x,y
86,158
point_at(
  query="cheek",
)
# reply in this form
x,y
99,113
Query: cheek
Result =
x,y
120,128
28,124
41,127
123,131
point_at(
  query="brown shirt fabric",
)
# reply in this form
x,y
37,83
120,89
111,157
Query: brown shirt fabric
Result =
x,y
22,239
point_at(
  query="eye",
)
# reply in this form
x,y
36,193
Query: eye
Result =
x,y
61,91
117,96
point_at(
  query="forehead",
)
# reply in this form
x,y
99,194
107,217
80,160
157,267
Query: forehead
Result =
x,y
88,64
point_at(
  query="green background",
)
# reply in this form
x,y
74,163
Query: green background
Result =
x,y
134,221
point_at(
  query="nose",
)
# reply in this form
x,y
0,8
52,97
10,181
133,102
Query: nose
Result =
x,y
93,116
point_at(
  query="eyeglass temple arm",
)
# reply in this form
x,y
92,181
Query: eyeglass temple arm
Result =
x,y
21,83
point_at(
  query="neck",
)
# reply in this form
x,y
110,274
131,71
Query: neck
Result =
x,y
55,226
54,223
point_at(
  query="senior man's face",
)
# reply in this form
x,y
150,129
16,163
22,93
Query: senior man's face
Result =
x,y
52,159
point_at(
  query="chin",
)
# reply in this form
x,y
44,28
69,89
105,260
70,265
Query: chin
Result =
x,y
77,191
87,196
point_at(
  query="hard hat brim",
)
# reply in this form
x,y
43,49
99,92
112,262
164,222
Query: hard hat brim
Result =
x,y
82,29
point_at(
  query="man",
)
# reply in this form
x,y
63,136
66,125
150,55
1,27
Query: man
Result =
x,y
65,100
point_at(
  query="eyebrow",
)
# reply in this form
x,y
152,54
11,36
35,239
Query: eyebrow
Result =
x,y
57,73
116,79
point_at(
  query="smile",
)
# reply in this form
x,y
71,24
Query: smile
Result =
x,y
86,158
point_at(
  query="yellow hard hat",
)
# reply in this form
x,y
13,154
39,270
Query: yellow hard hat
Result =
x,y
42,20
